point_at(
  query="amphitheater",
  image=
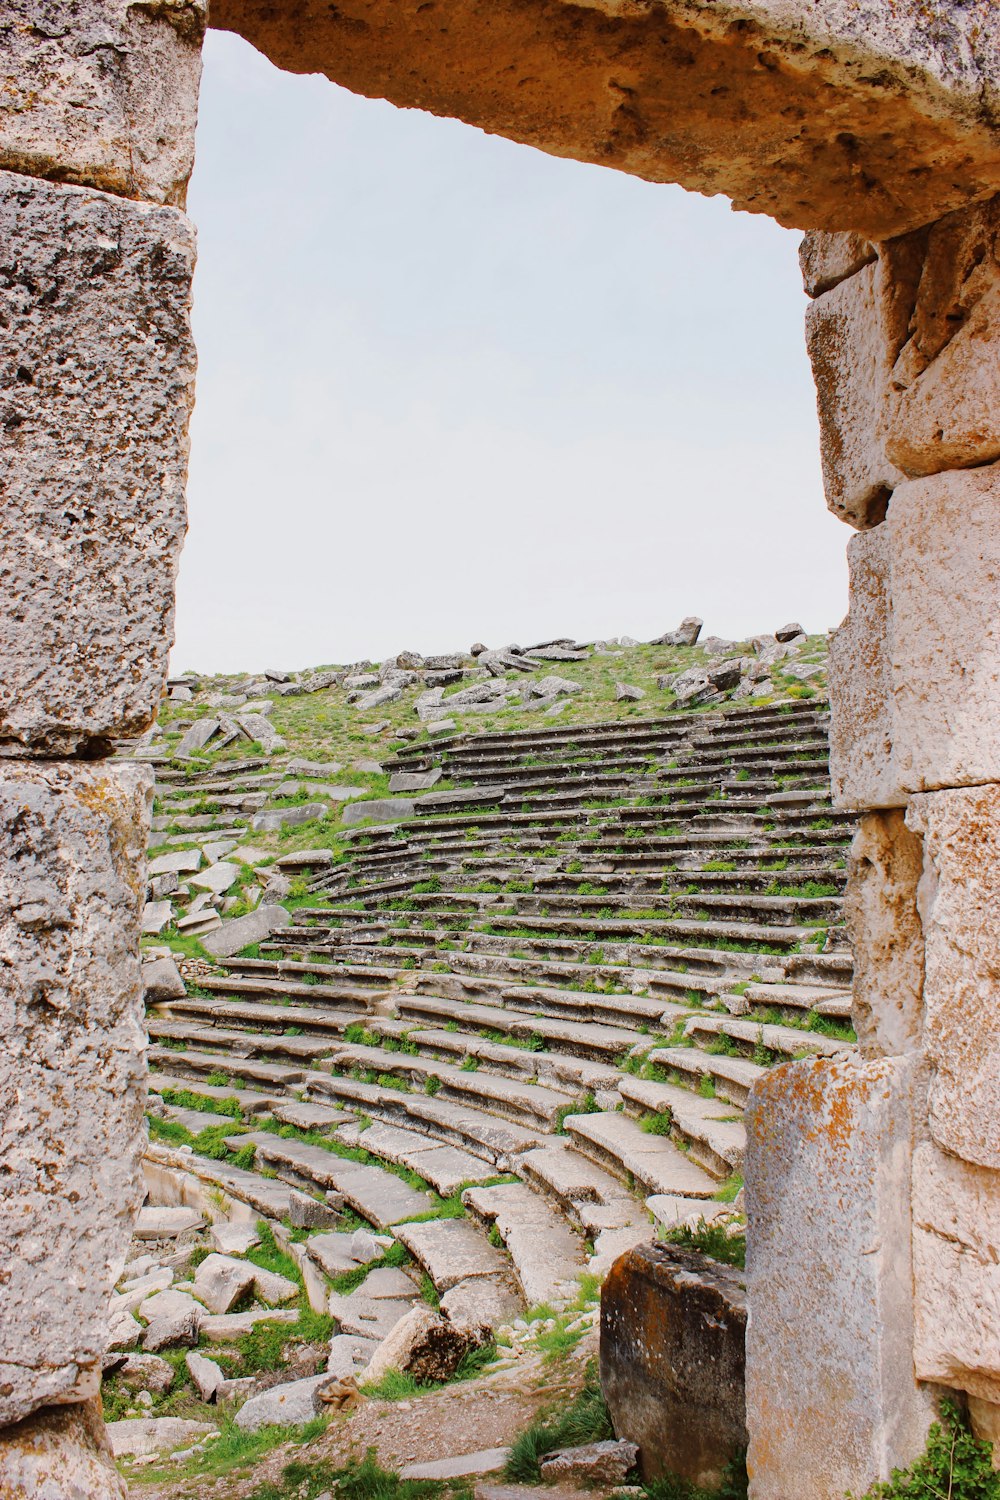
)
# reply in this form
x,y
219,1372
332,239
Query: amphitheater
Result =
x,y
455,1023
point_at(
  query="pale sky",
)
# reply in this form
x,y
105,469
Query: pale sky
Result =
x,y
453,389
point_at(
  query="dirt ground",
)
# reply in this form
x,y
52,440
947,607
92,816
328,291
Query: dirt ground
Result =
x,y
485,1413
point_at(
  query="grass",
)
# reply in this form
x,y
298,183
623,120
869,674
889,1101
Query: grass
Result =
x,y
585,1419
711,1240
358,1479
235,1450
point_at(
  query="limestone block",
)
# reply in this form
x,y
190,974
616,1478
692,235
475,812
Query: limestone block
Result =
x,y
956,1269
960,908
96,385
72,1068
915,670
830,1338
828,259
947,374
887,939
852,359
873,115
61,1453
103,93
673,1330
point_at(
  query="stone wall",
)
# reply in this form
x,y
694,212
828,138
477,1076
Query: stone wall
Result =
x,y
97,112
874,1188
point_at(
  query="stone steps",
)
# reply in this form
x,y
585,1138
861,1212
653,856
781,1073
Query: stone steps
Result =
x,y
731,1077
378,1196
643,1161
710,1133
580,1038
748,1036
192,1063
547,1254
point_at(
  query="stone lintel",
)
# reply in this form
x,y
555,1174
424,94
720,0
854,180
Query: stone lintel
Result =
x,y
72,1070
96,386
832,1404
874,117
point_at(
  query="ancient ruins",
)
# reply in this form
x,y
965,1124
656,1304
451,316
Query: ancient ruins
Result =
x,y
871,1172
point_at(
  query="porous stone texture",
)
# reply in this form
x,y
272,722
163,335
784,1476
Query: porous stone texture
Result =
x,y
673,1329
915,669
104,94
72,1071
60,1454
784,105
852,360
887,937
959,898
96,385
828,259
829,1150
956,1270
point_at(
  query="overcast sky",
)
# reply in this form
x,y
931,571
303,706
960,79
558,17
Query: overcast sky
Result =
x,y
452,389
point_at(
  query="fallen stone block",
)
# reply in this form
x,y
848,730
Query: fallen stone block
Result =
x,y
673,1328
686,633
60,1452
463,1465
175,1329
378,810
242,931
146,1372
275,818
288,1405
161,980
205,1373
166,1223
422,1344
137,1436
607,1463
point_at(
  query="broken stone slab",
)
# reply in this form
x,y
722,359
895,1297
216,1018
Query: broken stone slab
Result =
x,y
450,1250
335,791
422,1344
607,1462
302,859
199,922
225,1327
205,1373
273,819
136,1437
378,810
625,692
257,727
220,1280
480,1303
790,632
485,1461
216,879
310,1213
146,1372
338,1252
257,925
178,1327
72,1072
234,1239
441,726
686,633
298,767
388,1282
552,686
166,1223
289,1405
86,610
349,1355
155,916
124,1330
828,1174
161,980
372,1318
179,863
378,697
196,738
415,781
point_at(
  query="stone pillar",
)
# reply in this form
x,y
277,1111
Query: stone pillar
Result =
x,y
844,1316
97,111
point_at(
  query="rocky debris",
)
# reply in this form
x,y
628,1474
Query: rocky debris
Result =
x,y
287,1405
789,633
177,1326
605,1463
256,727
465,1465
242,931
686,633
166,1223
626,693
205,1373
378,810
272,820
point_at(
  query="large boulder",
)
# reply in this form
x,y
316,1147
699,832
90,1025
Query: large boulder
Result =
x,y
422,1344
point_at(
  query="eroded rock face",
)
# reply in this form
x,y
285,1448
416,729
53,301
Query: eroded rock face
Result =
x,y
784,105
956,1243
105,94
915,669
96,386
829,1148
72,854
60,1454
673,1330
887,938
959,905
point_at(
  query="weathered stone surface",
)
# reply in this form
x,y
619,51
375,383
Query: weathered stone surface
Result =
x,y
378,810
946,375
829,1250
915,669
959,900
221,1280
828,259
421,1344
284,1405
896,97
72,850
606,1462
107,99
161,980
242,931
96,384
686,633
205,1373
147,1372
142,1435
852,357
887,939
956,1271
165,1223
673,1326
60,1453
